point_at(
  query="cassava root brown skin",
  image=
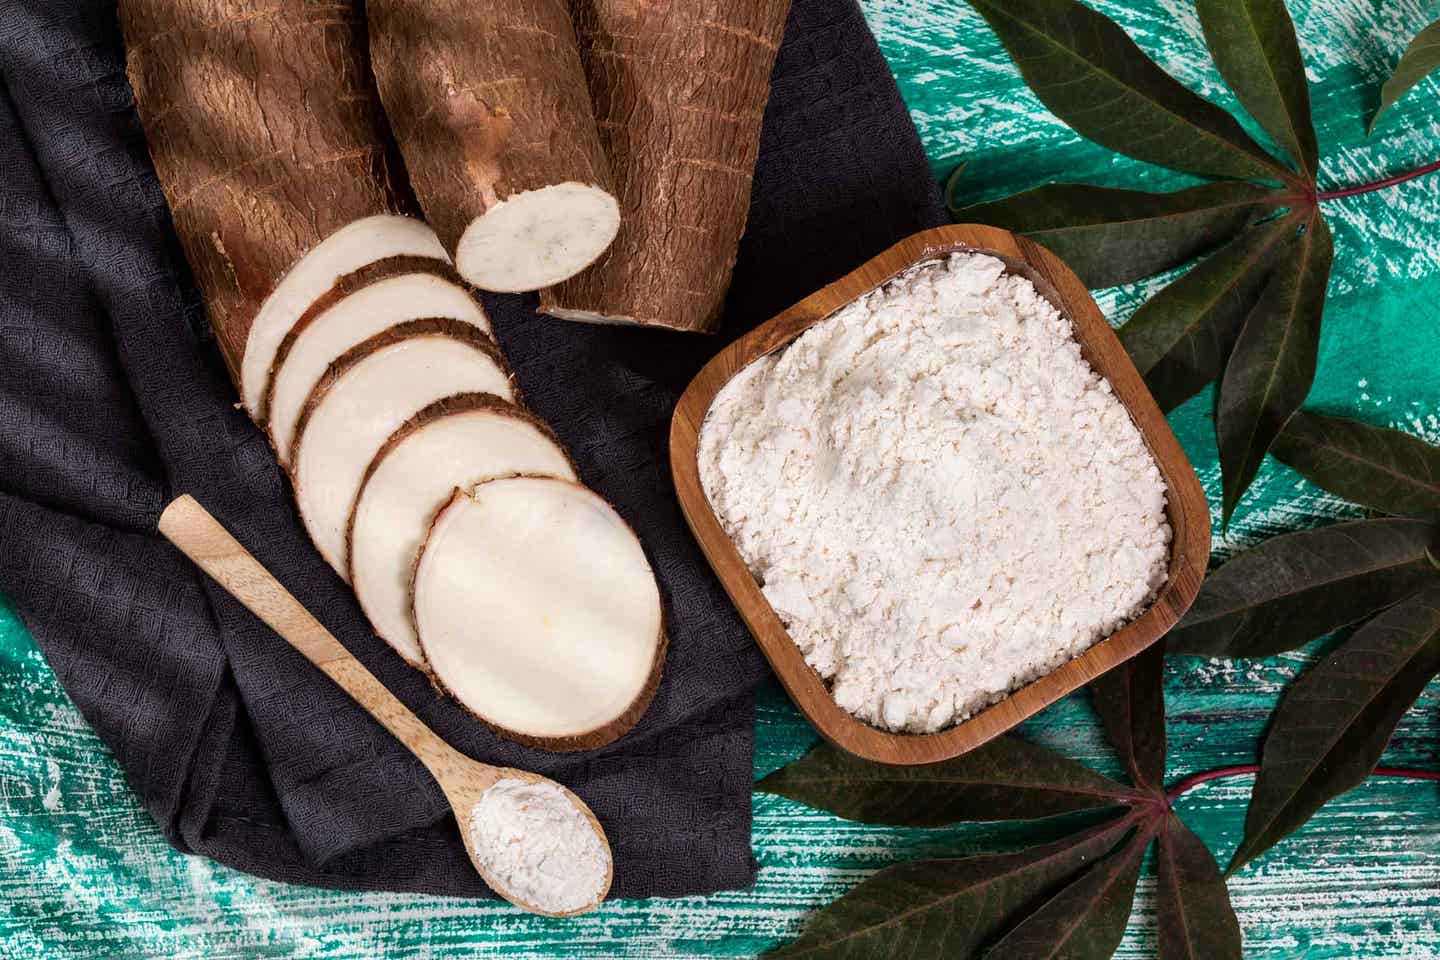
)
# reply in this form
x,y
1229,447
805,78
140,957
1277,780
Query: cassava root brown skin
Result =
x,y
489,104
679,88
265,135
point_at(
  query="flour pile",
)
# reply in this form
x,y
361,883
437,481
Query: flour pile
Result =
x,y
939,497
539,845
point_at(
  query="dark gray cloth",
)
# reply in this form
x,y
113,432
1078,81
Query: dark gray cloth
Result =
x,y
113,399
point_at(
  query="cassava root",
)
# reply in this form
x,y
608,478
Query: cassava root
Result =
x,y
679,89
489,106
270,146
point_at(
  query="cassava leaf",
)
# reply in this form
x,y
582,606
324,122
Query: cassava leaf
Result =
x,y
1086,920
945,908
1293,588
1193,915
1180,338
1131,702
1093,77
1272,364
1420,59
1111,236
1383,469
1335,721
1254,45
1006,779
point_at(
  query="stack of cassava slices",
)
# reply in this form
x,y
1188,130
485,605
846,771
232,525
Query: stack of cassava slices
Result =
x,y
356,343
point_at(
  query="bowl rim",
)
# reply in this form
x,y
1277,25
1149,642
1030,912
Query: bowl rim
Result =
x,y
1186,508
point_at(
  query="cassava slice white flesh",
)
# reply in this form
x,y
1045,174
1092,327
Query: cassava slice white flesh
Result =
x,y
537,238
492,114
350,248
537,610
455,442
269,141
361,311
364,398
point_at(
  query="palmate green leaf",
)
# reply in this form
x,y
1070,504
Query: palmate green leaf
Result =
x,y
1382,469
945,908
1110,236
1331,728
1193,915
1294,588
1180,338
1006,779
1086,920
1254,45
1131,702
1091,75
1272,364
1420,59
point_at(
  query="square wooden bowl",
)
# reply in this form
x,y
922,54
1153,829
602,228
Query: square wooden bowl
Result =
x,y
1188,512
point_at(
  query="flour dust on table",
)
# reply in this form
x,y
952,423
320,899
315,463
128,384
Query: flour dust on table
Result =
x,y
939,497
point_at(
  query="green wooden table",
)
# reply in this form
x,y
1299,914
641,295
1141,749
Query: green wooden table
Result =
x,y
84,872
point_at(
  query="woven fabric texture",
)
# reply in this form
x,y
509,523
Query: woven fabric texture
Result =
x,y
114,400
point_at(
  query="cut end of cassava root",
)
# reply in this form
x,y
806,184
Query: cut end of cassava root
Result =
x,y
343,252
538,238
537,610
364,397
367,302
490,108
457,442
682,133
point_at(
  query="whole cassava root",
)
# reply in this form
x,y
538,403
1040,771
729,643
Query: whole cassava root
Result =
x,y
490,109
679,88
270,146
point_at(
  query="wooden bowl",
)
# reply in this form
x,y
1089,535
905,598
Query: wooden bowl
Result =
x,y
1188,512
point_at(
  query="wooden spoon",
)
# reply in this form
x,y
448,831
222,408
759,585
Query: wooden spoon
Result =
x,y
201,538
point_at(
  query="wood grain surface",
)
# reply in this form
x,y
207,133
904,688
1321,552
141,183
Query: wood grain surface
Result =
x,y
85,874
1189,516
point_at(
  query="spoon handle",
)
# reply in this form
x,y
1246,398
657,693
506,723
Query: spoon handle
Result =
x,y
201,538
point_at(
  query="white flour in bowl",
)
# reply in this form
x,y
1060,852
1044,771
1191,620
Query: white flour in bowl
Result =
x,y
939,497
532,839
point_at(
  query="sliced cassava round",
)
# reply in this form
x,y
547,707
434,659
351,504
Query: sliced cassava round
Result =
x,y
269,142
361,305
537,610
364,397
679,90
459,442
490,108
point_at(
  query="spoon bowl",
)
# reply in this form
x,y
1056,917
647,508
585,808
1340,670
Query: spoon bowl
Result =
x,y
463,780
463,789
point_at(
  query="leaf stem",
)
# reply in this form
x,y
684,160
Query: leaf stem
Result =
x,y
1379,184
1240,770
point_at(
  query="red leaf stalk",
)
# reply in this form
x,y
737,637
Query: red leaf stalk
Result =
x,y
1240,770
1379,184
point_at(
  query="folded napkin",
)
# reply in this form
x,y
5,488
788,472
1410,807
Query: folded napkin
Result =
x,y
113,399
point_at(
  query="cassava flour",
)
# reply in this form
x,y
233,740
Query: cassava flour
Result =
x,y
938,496
539,845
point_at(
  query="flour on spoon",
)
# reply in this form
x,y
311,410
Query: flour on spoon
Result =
x,y
535,842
